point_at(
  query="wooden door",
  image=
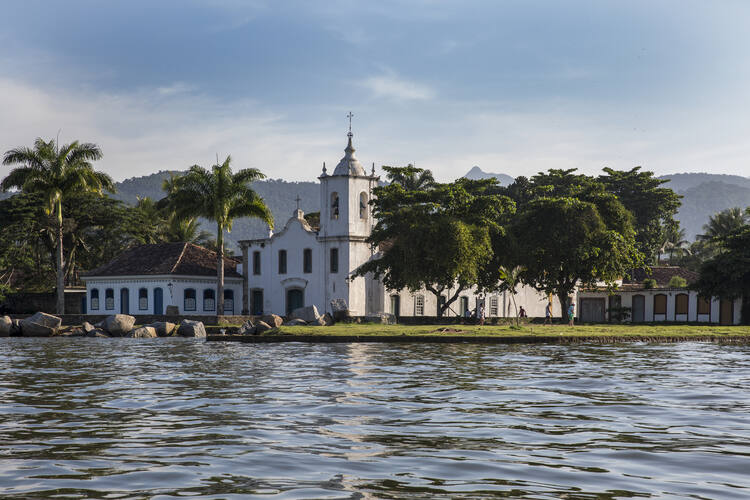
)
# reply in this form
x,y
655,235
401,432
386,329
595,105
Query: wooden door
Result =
x,y
726,312
639,308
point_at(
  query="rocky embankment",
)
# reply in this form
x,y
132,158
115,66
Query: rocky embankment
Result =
x,y
123,325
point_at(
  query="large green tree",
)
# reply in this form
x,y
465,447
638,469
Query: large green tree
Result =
x,y
727,274
221,196
56,172
570,231
653,206
433,236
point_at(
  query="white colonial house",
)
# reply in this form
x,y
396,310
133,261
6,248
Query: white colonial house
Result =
x,y
301,265
146,279
633,301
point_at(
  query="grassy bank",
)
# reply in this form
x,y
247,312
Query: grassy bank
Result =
x,y
525,330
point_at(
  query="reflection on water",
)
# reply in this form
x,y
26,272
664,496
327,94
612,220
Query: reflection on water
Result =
x,y
162,418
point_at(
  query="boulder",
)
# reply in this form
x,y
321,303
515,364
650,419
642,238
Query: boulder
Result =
x,y
261,327
247,328
40,325
87,327
340,310
118,325
163,328
75,332
318,322
190,328
143,332
172,311
6,325
306,314
97,332
15,329
328,319
295,322
272,319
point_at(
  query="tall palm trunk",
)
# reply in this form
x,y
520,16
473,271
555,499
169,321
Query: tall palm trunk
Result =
x,y
60,263
220,272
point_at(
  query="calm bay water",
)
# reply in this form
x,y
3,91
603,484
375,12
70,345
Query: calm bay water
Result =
x,y
166,418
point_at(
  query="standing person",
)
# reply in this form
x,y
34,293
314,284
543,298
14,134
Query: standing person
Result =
x,y
480,314
548,314
522,313
571,313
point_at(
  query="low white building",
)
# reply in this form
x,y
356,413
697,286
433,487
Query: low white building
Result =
x,y
633,302
146,279
301,265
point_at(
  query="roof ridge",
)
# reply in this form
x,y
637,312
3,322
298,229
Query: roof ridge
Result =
x,y
177,262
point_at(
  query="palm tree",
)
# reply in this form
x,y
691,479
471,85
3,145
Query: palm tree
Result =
x,y
511,278
56,172
221,196
723,223
410,177
675,242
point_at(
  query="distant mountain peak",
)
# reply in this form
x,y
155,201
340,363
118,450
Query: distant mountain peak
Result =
x,y
477,173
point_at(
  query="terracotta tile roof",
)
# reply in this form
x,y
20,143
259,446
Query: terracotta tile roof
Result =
x,y
662,275
182,259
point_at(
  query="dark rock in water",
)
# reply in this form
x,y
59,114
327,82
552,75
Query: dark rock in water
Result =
x,y
40,325
164,328
261,327
247,328
97,332
87,327
272,319
190,328
144,332
6,324
118,325
75,332
15,329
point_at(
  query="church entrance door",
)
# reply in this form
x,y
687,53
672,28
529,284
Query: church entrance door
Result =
x,y
396,305
295,298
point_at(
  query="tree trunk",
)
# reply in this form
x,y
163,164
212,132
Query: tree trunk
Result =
x,y
563,298
60,263
220,272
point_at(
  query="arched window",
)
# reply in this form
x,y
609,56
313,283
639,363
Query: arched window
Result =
x,y
142,299
334,205
209,299
95,298
660,303
362,205
307,261
229,302
282,261
189,302
681,303
109,299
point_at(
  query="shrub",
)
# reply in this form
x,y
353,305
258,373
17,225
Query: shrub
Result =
x,y
677,282
649,283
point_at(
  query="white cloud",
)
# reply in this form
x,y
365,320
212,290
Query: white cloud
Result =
x,y
390,86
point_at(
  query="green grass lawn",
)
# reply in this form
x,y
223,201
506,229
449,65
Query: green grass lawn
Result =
x,y
603,330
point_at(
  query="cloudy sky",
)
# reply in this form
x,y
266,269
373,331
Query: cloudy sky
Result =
x,y
513,86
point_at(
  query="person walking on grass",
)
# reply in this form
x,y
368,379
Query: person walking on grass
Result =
x,y
480,314
571,313
548,314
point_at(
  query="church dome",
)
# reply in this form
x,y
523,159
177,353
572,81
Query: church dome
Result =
x,y
349,164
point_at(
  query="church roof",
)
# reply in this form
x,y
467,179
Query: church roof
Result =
x,y
180,259
661,274
349,164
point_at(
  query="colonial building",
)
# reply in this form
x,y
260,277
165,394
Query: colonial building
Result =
x,y
148,278
649,297
302,265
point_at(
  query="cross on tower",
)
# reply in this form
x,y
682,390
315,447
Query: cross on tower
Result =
x,y
350,122
297,199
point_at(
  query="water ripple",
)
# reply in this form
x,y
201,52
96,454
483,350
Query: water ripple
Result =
x,y
167,418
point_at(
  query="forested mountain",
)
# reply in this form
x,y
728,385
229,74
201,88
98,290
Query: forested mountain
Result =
x,y
477,173
705,195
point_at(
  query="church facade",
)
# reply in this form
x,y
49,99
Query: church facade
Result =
x,y
301,266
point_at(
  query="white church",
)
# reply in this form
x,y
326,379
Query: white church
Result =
x,y
301,266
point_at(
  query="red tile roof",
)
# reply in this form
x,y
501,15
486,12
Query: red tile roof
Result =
x,y
181,259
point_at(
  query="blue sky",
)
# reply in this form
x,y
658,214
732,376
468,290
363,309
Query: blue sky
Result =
x,y
511,86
